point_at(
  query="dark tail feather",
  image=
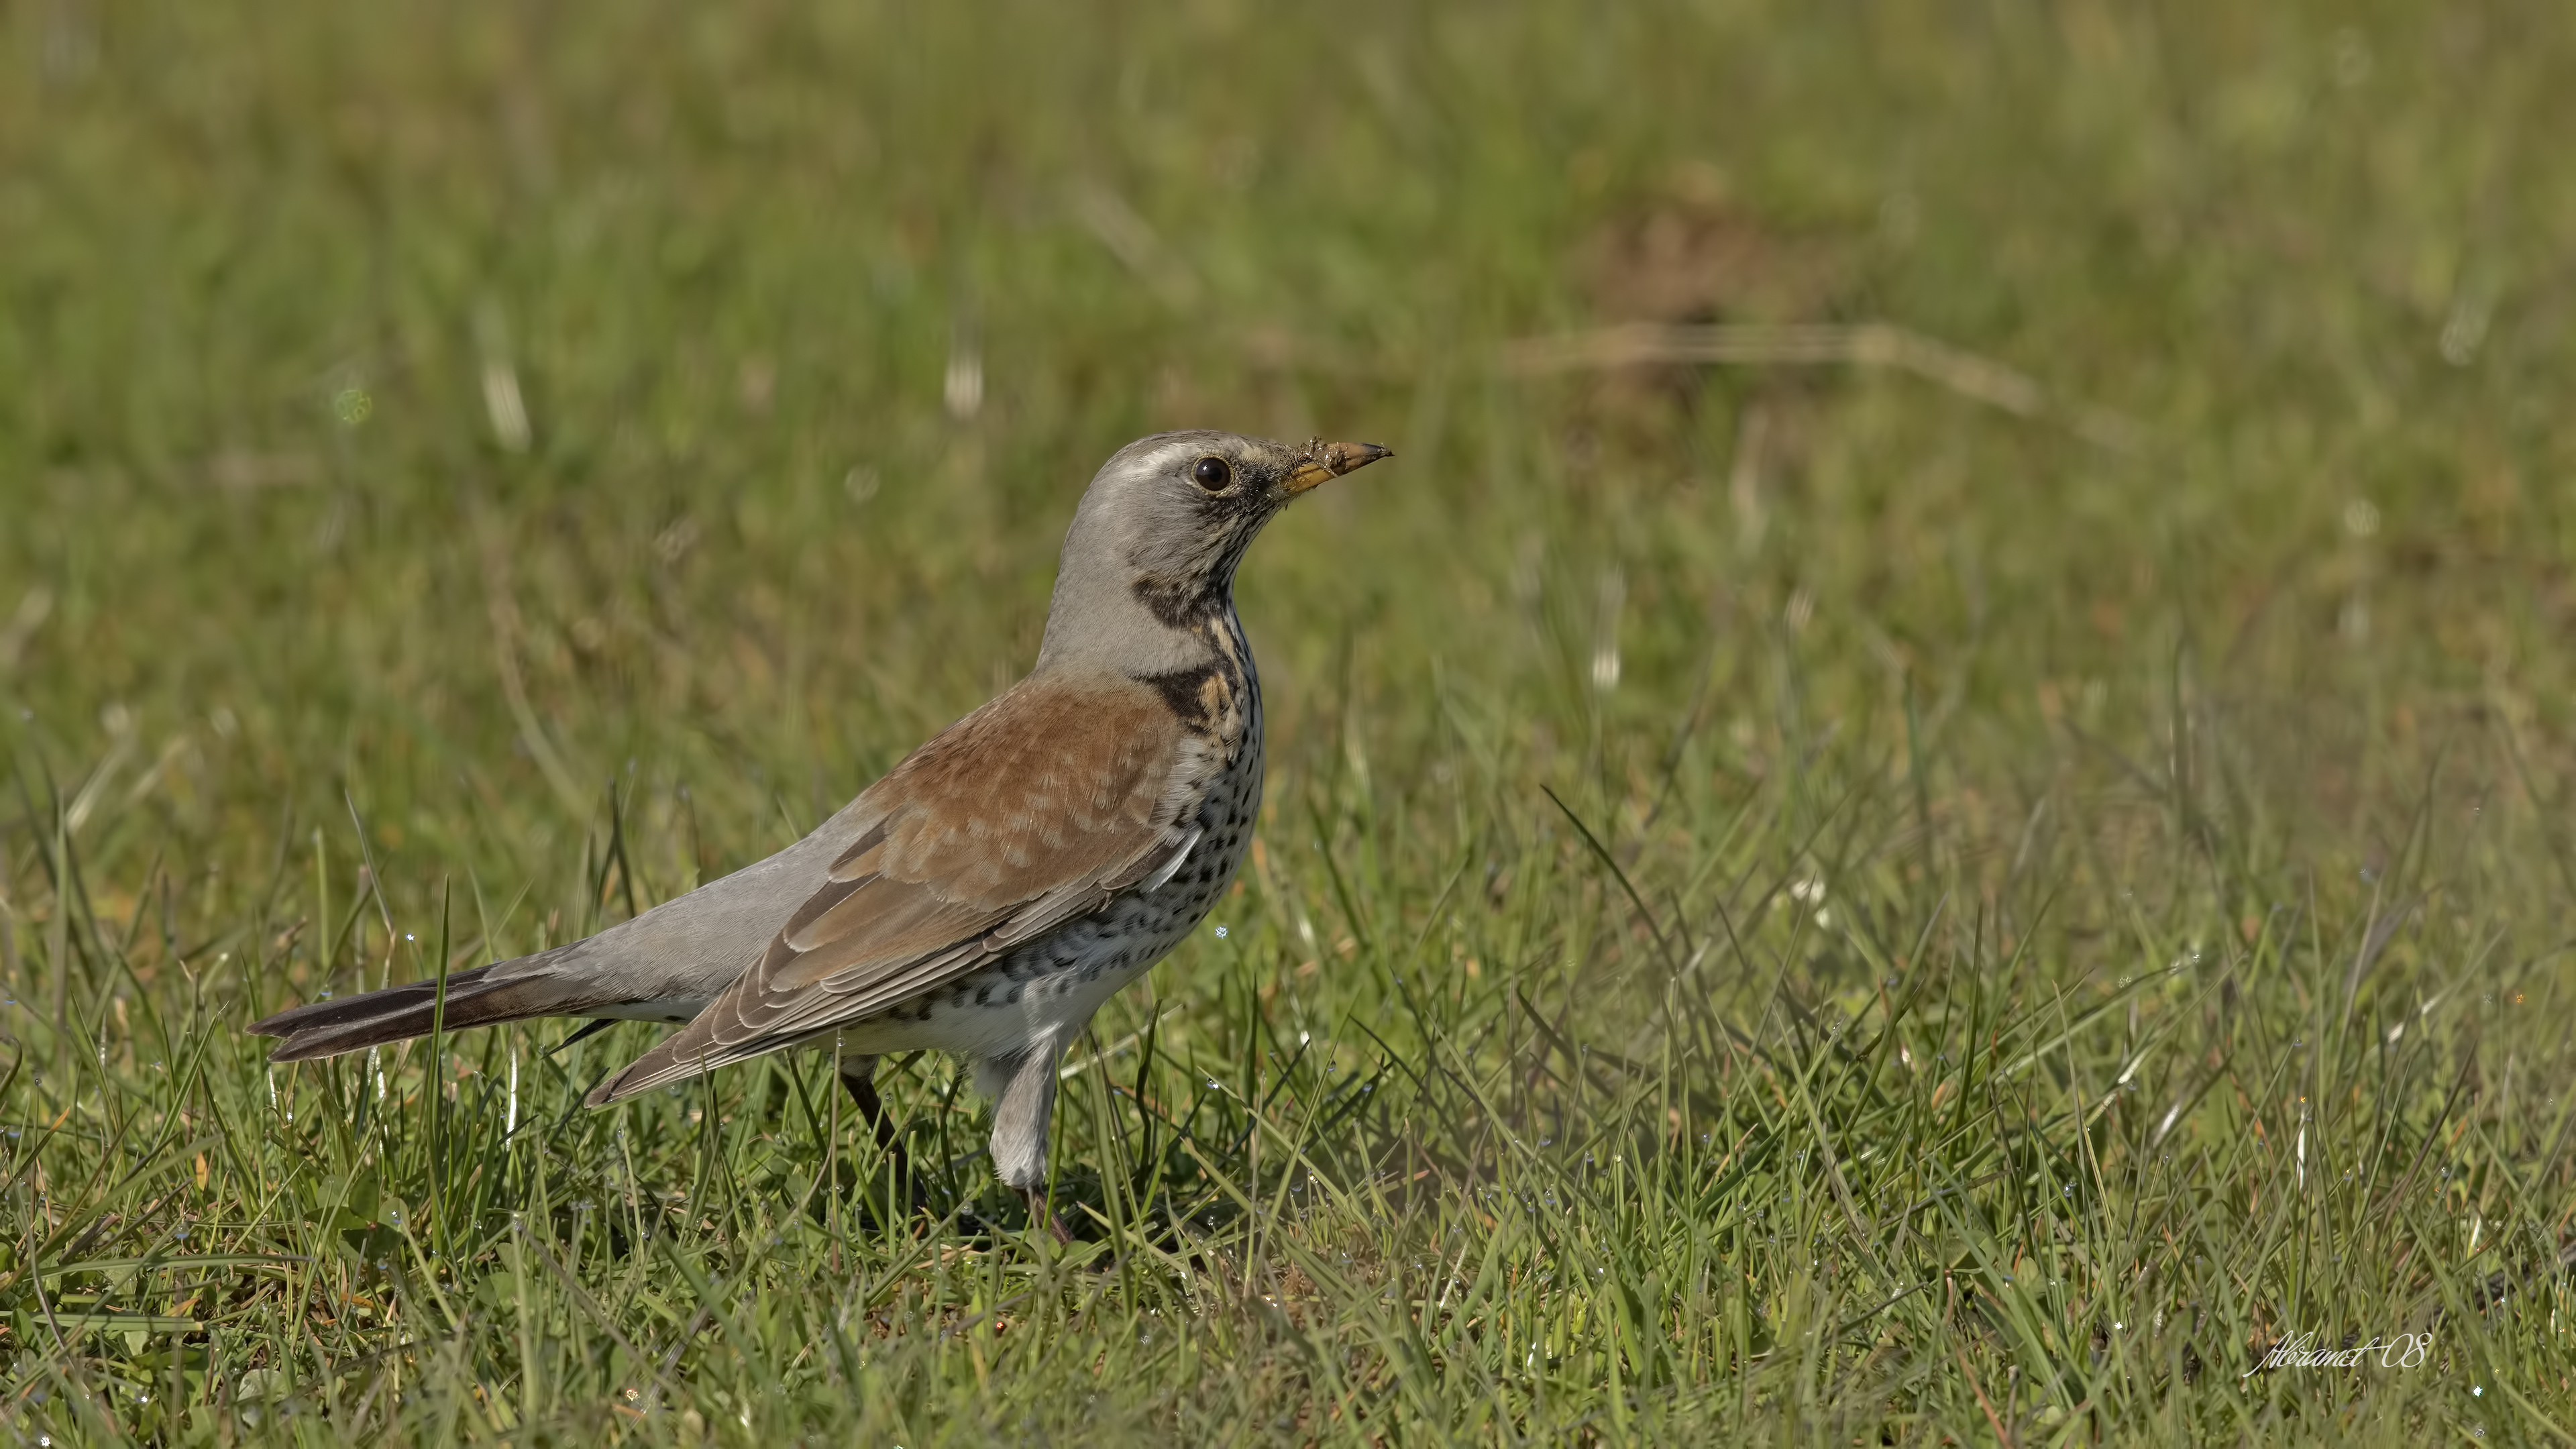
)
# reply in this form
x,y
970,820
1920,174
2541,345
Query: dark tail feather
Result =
x,y
366,1005
398,1013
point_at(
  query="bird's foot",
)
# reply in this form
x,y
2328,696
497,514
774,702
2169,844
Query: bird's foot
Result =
x,y
1040,1212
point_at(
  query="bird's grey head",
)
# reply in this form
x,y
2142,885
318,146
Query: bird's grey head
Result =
x,y
1154,545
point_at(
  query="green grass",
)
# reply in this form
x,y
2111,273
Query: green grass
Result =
x,y
1793,904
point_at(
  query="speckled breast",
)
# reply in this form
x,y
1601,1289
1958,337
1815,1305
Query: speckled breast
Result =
x,y
1067,973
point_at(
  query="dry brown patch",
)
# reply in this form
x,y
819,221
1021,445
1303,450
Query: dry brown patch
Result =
x,y
1682,259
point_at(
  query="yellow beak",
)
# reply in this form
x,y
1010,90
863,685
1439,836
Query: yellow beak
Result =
x,y
1331,460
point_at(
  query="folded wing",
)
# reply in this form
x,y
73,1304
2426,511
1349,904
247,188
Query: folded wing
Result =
x,y
1031,811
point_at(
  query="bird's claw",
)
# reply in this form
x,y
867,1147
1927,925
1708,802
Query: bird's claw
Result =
x,y
1040,1212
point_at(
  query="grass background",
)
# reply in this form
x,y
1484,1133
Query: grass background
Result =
x,y
1793,904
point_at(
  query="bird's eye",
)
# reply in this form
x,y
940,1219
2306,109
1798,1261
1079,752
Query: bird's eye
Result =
x,y
1212,474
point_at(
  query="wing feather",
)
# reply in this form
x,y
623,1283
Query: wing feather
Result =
x,y
1021,816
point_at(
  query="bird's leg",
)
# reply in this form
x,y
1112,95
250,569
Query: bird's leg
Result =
x,y
1040,1212
859,1075
1022,1089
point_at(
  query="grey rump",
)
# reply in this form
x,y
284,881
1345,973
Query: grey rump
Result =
x,y
1001,882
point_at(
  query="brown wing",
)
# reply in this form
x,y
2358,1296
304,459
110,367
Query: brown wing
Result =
x,y
1018,817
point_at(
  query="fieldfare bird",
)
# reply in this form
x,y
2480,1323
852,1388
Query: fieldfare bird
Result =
x,y
999,884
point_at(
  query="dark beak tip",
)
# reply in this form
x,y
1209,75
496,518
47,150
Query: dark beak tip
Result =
x,y
1350,457
1320,460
